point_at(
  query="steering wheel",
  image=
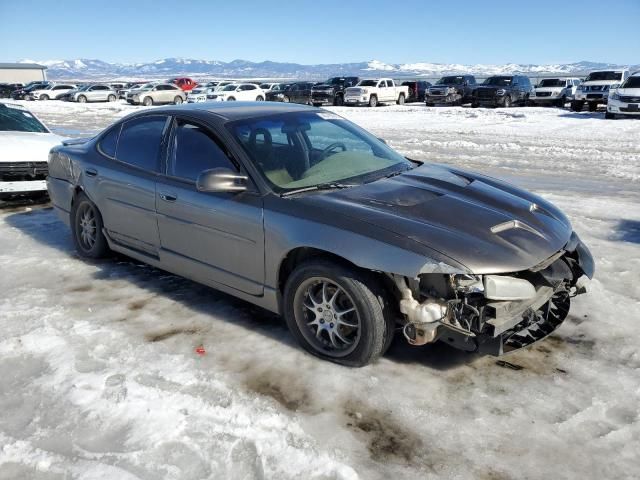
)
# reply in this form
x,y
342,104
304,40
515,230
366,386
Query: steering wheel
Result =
x,y
264,151
334,146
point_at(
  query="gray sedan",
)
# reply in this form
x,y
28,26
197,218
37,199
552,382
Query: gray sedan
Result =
x,y
303,213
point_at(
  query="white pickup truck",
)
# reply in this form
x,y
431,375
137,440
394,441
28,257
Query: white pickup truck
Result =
x,y
374,91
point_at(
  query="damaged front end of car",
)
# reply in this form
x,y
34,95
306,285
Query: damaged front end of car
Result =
x,y
494,314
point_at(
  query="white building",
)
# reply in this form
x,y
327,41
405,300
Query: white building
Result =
x,y
22,72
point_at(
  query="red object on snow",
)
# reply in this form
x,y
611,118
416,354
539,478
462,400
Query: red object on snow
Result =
x,y
200,350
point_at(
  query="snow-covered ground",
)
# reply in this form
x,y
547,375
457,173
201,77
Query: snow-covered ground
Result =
x,y
100,377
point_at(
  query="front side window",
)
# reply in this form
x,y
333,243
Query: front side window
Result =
x,y
632,82
303,149
140,141
195,149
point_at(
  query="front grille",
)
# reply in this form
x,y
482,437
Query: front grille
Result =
x,y
629,99
543,94
627,109
437,92
486,92
17,171
594,95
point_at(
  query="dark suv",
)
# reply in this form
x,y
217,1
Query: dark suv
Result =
x,y
23,93
297,92
502,91
331,92
417,90
451,90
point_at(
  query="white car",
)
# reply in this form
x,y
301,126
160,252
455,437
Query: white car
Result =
x,y
24,151
52,92
371,92
554,91
267,87
595,88
94,93
625,100
199,94
246,92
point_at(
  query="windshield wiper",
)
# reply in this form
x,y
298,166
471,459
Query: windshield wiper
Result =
x,y
320,186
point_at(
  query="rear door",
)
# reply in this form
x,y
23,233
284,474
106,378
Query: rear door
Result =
x,y
124,181
216,238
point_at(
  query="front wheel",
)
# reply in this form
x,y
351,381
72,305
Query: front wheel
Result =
x,y
82,99
285,99
339,101
577,105
259,98
86,228
44,97
610,116
231,99
593,106
178,100
562,102
147,102
373,101
507,102
401,99
337,313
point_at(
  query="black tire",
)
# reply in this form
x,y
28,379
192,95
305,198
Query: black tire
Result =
x,y
593,106
507,101
358,288
259,98
178,100
82,99
82,210
317,104
429,104
562,102
401,99
339,101
111,98
285,99
577,105
44,97
147,101
373,101
475,105
231,99
610,116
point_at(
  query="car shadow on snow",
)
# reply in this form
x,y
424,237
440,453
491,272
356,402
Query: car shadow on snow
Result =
x,y
43,225
627,231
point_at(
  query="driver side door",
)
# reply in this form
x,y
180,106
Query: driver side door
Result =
x,y
215,238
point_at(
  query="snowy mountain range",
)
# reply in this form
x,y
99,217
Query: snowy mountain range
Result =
x,y
91,69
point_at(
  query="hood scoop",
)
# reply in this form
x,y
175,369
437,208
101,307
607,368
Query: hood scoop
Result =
x,y
514,225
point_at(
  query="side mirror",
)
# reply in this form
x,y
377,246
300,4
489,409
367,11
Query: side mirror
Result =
x,y
221,180
382,140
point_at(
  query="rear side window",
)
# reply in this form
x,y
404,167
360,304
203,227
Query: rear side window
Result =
x,y
140,141
196,149
108,143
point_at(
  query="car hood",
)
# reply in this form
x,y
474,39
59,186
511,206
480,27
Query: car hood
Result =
x,y
26,146
634,92
482,223
602,82
548,89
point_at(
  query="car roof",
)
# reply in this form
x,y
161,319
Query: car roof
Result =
x,y
238,110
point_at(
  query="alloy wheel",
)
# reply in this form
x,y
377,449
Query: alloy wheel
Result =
x,y
327,317
87,226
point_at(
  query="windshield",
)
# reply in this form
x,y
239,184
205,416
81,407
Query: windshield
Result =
x,y
265,86
229,88
451,81
336,81
552,82
604,76
14,119
368,83
632,82
304,149
500,81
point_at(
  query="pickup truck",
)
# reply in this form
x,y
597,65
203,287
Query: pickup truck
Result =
x,y
331,92
374,91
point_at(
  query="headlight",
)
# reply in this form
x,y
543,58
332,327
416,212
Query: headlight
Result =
x,y
501,92
533,93
498,287
615,96
614,86
280,95
364,91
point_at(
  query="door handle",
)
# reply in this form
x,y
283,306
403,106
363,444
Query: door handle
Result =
x,y
91,172
168,197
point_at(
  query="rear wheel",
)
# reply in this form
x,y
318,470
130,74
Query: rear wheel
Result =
x,y
429,104
231,99
178,100
86,230
147,102
577,105
285,99
336,313
373,101
401,99
111,98
44,97
259,98
82,99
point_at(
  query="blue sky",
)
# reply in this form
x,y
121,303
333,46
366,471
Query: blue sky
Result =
x,y
323,31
